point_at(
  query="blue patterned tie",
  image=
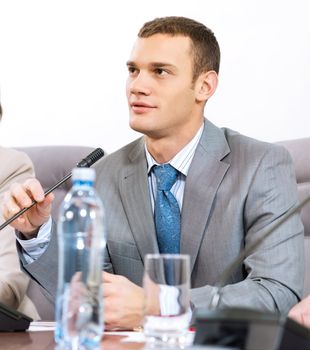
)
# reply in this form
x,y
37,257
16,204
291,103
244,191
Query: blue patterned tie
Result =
x,y
167,211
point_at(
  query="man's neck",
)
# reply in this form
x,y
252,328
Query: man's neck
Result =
x,y
165,148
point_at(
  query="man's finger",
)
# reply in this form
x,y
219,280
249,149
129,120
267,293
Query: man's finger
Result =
x,y
20,195
9,208
47,201
108,277
34,188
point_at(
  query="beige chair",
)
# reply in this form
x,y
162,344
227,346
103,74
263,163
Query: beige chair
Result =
x,y
51,164
300,152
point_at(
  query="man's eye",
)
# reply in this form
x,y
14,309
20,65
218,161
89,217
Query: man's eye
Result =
x,y
131,70
160,71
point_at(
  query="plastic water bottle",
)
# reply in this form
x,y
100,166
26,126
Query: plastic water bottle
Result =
x,y
81,242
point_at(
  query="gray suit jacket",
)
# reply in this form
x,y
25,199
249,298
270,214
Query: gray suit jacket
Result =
x,y
235,190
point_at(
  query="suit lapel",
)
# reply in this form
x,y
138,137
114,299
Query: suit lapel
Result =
x,y
204,177
137,203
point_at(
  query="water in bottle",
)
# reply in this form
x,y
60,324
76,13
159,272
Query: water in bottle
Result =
x,y
81,242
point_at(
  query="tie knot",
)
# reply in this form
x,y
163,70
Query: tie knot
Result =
x,y
166,175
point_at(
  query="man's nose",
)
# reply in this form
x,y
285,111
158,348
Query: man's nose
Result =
x,y
140,84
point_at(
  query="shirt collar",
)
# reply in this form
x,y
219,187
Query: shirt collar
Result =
x,y
182,160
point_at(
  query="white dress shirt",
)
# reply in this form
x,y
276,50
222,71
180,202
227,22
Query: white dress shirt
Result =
x,y
181,161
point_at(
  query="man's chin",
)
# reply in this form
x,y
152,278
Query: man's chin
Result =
x,y
139,127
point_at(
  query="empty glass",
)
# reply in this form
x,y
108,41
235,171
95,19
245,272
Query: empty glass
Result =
x,y
166,284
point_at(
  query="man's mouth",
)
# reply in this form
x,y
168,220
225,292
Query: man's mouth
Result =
x,y
141,107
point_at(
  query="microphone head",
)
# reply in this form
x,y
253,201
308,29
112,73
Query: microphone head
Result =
x,y
91,159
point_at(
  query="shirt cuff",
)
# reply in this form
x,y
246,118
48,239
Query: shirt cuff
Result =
x,y
33,248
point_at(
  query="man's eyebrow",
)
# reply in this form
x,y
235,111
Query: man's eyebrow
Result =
x,y
161,64
153,64
130,64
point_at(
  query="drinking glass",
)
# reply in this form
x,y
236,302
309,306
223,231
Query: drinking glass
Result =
x,y
166,284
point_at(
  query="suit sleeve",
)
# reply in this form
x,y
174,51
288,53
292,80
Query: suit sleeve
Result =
x,y
16,167
44,270
275,269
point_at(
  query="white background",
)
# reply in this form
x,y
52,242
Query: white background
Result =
x,y
63,72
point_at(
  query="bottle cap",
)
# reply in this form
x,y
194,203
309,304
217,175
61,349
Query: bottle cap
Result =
x,y
83,174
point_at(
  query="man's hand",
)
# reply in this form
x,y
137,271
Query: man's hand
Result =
x,y
301,312
123,302
20,196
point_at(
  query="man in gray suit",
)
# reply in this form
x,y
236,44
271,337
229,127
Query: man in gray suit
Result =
x,y
230,189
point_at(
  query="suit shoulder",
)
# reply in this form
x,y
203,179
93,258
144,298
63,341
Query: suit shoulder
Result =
x,y
117,160
13,160
6,153
16,166
245,145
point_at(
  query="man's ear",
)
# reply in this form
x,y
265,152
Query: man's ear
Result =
x,y
206,85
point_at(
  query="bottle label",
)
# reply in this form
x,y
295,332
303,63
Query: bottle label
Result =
x,y
83,183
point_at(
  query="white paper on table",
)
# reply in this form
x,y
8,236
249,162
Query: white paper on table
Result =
x,y
41,326
138,337
130,336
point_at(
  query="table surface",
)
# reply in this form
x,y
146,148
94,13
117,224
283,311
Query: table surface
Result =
x,y
44,340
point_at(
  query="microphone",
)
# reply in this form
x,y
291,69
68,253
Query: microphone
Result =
x,y
86,162
91,159
247,328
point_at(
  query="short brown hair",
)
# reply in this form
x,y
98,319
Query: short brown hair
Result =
x,y
206,50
